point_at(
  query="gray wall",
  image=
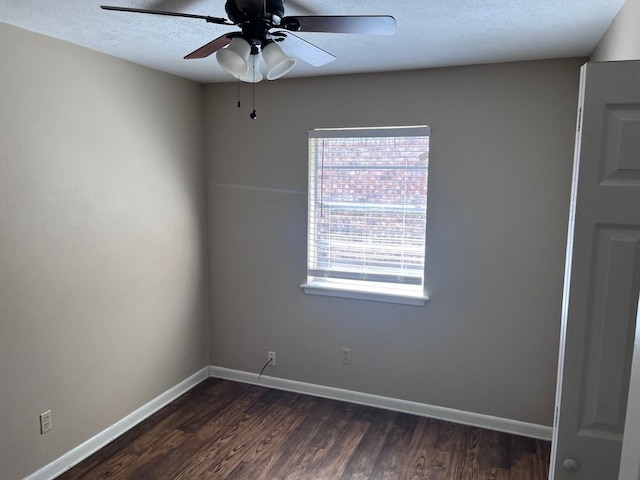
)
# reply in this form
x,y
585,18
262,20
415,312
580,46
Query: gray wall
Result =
x,y
622,40
499,181
103,251
102,242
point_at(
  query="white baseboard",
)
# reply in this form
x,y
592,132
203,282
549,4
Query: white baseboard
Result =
x,y
75,456
516,427
95,443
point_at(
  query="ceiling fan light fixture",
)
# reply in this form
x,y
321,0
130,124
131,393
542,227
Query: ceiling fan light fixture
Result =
x,y
278,63
253,75
233,58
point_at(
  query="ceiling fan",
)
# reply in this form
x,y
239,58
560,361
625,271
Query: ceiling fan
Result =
x,y
263,25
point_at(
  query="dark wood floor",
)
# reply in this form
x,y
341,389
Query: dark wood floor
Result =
x,y
228,430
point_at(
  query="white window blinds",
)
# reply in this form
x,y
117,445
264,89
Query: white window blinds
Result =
x,y
368,205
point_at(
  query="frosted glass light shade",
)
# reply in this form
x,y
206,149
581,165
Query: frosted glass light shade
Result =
x,y
278,63
233,58
253,74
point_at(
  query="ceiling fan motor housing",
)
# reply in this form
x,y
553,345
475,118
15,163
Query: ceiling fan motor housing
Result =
x,y
255,23
272,14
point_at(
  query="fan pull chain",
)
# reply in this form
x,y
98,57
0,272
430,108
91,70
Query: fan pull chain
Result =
x,y
238,92
253,114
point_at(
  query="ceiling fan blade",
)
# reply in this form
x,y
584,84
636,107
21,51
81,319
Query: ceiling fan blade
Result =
x,y
308,52
211,47
363,24
220,21
164,4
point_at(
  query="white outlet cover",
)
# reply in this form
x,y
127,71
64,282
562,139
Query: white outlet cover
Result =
x,y
46,422
346,356
272,356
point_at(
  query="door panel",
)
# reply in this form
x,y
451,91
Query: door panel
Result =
x,y
621,162
616,256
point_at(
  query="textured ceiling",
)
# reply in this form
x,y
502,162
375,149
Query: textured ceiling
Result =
x,y
431,33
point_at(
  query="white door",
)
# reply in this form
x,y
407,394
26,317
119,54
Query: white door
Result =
x,y
602,277
630,458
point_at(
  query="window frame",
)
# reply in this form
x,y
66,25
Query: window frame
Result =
x,y
352,288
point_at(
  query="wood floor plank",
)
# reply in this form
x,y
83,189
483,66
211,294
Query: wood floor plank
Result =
x,y
438,469
299,449
212,435
495,449
346,434
322,458
446,446
235,433
469,463
306,423
226,393
459,450
222,458
389,464
225,430
267,447
421,452
363,459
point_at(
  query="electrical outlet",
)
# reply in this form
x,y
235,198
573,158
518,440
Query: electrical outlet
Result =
x,y
346,356
46,422
271,356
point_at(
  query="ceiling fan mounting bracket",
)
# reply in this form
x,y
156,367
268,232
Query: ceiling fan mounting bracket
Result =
x,y
271,16
255,26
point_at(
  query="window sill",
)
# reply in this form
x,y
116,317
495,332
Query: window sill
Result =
x,y
372,294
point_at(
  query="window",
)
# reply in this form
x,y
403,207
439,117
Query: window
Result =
x,y
367,213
